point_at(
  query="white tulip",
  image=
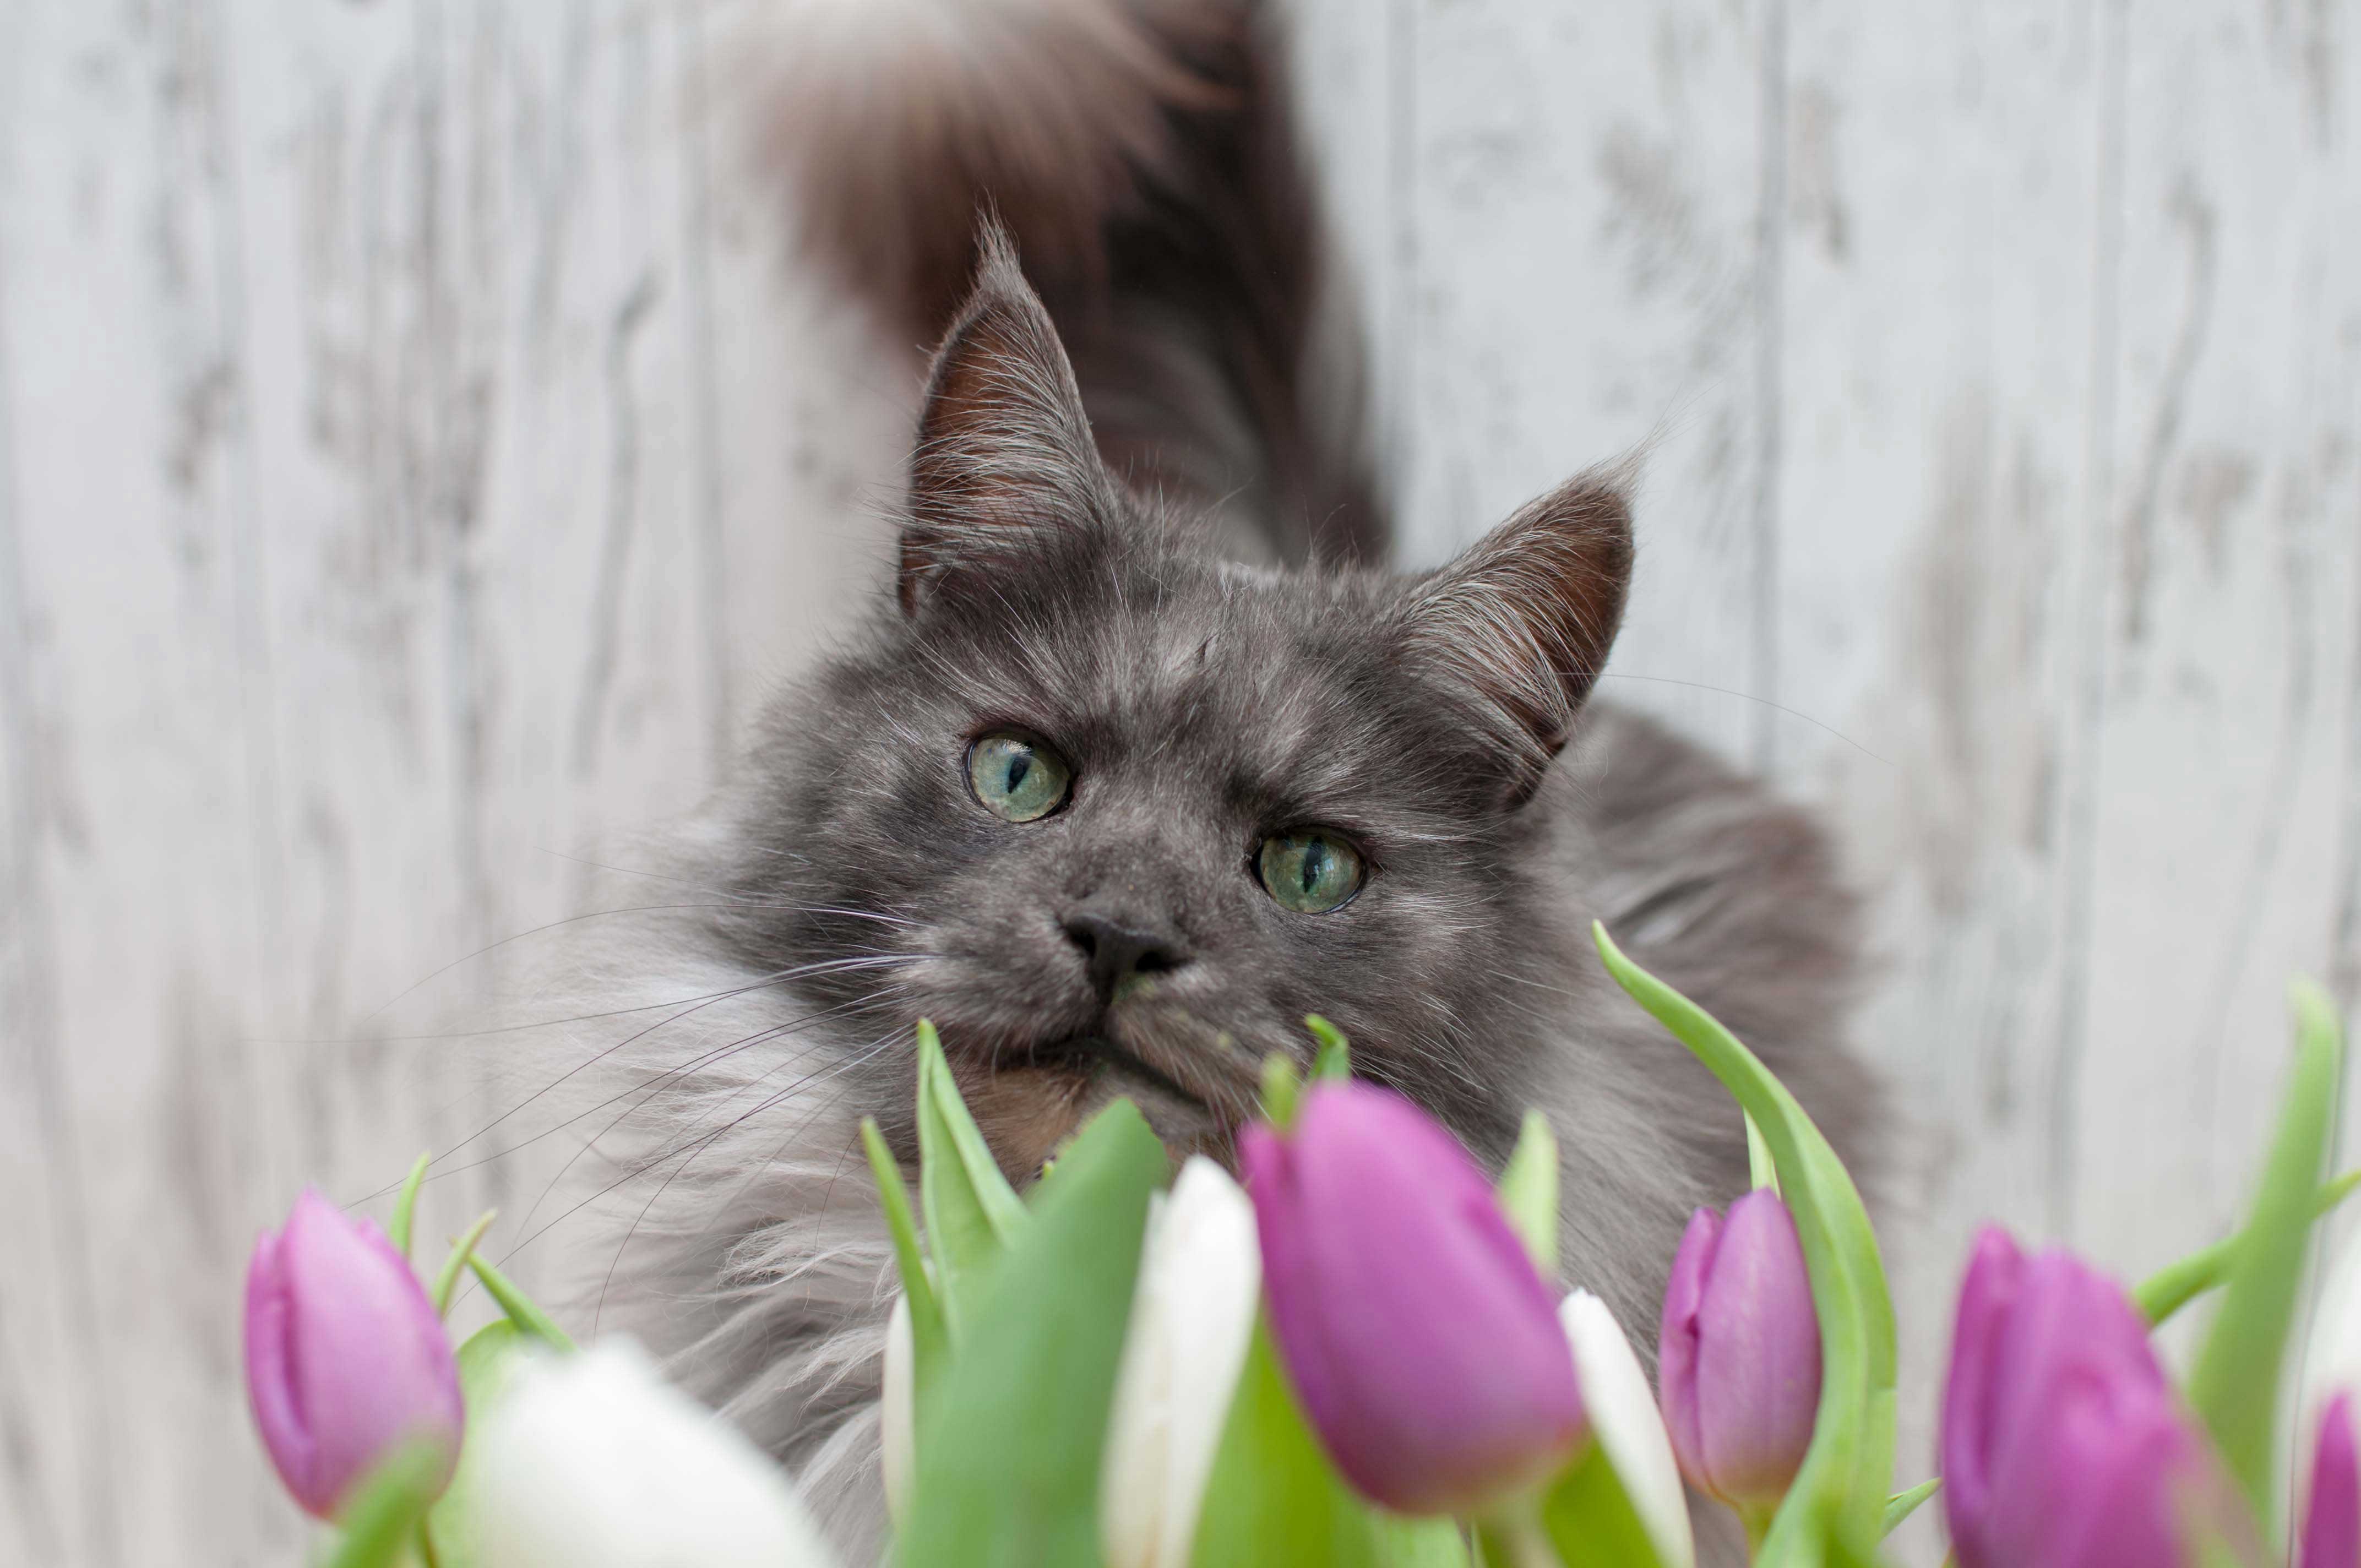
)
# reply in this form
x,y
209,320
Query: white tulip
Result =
x,y
2331,1357
897,1453
1192,1317
1622,1410
593,1460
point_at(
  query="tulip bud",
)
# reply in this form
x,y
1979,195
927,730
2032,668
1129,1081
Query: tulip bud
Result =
x,y
898,1454
2331,1521
2063,1443
1192,1317
1425,1349
2332,1383
1623,1412
346,1358
593,1460
1740,1354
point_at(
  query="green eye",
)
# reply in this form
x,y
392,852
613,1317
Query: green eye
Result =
x,y
1309,872
1016,779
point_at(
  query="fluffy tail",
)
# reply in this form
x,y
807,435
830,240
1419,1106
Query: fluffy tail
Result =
x,y
1143,154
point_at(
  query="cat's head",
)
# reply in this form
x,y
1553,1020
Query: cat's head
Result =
x,y
1117,813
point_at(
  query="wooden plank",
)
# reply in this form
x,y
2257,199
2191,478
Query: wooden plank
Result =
x,y
409,421
1586,280
1938,569
2217,862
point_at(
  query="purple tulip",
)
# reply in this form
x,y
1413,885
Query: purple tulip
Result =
x,y
346,1358
2063,1443
1426,1350
2331,1523
1740,1348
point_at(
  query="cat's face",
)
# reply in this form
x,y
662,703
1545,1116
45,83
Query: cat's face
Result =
x,y
1117,814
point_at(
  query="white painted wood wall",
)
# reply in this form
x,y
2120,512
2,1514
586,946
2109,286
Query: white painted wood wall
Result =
x,y
416,459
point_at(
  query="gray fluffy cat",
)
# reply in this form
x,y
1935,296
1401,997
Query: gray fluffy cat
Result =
x,y
1149,755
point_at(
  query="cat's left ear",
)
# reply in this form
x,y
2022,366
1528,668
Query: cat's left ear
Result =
x,y
1005,471
1521,623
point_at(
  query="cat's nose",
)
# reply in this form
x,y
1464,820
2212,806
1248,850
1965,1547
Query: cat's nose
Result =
x,y
1117,949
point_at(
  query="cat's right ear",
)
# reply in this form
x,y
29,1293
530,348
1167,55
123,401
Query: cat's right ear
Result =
x,y
1521,624
1005,473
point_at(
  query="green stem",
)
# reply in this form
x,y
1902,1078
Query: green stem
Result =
x,y
426,1546
1757,1528
2174,1286
448,1280
1518,1531
405,1207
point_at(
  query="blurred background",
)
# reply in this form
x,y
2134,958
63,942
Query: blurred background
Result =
x,y
419,453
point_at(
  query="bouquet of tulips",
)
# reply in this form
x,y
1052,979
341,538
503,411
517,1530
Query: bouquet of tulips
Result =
x,y
1355,1359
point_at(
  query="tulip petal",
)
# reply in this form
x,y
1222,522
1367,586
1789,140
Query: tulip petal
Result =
x,y
1622,1414
593,1460
2063,1443
897,1451
1192,1317
1995,1272
1758,1347
1424,1347
2331,1523
1676,1339
2332,1356
346,1359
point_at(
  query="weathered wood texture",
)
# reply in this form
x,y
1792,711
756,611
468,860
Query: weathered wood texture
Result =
x,y
415,460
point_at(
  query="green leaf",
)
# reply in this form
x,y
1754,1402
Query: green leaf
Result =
x,y
1529,1191
2174,1286
1282,1089
1273,1499
405,1207
2235,1387
520,1308
1334,1064
379,1521
1009,1477
447,1278
488,1364
1589,1518
1902,1504
971,1212
1848,1471
930,1348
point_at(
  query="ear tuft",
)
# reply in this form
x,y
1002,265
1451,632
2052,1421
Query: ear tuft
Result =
x,y
1004,466
1524,619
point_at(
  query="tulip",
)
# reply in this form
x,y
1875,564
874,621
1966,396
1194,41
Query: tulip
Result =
x,y
1622,1413
1193,1315
593,1460
1739,1355
1424,1345
2063,1443
2332,1522
2331,1357
897,1424
346,1358
2332,1383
